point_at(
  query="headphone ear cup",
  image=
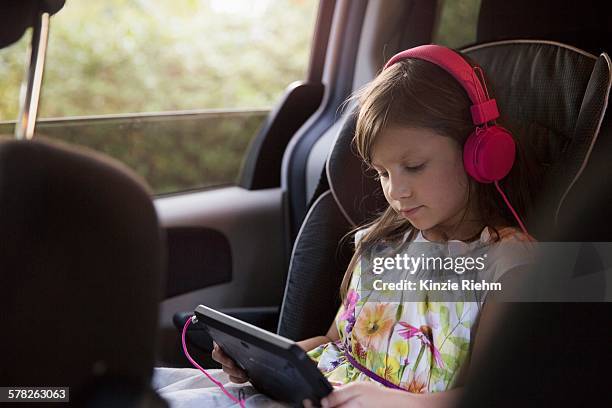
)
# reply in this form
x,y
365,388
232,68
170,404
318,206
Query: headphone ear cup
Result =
x,y
488,154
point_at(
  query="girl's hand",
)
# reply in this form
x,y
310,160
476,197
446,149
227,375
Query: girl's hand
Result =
x,y
236,374
363,394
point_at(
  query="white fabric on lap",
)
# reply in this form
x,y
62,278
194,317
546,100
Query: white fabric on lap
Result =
x,y
190,388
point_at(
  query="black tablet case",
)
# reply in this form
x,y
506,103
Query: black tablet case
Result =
x,y
276,366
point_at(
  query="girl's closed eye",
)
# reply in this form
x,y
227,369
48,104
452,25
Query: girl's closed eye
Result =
x,y
384,174
415,168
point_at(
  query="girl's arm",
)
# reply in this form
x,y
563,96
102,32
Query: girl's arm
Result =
x,y
311,343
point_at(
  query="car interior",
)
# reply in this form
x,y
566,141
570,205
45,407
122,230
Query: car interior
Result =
x,y
99,275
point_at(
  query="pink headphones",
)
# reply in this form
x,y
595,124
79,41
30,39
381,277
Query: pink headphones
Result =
x,y
488,153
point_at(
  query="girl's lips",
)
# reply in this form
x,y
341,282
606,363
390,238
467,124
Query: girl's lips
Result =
x,y
410,212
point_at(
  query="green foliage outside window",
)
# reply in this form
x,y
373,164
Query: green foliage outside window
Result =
x,y
115,57
131,56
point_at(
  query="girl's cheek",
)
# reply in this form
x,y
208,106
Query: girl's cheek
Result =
x,y
449,175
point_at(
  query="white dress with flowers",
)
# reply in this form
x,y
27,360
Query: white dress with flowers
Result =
x,y
418,346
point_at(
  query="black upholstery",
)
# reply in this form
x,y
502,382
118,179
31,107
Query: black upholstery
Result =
x,y
558,355
81,263
559,347
587,26
359,197
319,258
551,96
17,16
315,269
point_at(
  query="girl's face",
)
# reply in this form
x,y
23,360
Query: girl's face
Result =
x,y
422,176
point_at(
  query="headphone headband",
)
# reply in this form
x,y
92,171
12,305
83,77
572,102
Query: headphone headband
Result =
x,y
483,110
488,153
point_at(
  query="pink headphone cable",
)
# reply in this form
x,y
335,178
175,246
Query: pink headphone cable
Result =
x,y
217,383
512,209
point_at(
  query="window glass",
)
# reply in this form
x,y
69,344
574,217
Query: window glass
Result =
x,y
176,89
12,70
457,22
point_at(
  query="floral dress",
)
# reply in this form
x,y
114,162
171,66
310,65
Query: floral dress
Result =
x,y
417,346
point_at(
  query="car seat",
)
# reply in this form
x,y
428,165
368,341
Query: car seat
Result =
x,y
553,96
82,258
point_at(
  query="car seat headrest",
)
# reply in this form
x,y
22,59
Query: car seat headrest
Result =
x,y
359,197
557,94
17,16
541,90
82,263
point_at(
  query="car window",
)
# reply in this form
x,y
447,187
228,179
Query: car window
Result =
x,y
457,23
176,90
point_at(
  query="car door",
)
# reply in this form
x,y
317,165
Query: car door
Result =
x,y
200,100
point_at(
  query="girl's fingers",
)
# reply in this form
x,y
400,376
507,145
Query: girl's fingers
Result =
x,y
220,357
235,372
238,380
216,356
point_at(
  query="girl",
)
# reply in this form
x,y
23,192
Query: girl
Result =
x,y
413,122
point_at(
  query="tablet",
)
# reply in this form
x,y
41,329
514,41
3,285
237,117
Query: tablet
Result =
x,y
276,366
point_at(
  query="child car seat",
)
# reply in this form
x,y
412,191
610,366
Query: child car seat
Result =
x,y
553,96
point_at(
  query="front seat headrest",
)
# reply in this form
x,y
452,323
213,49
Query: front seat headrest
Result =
x,y
17,16
82,260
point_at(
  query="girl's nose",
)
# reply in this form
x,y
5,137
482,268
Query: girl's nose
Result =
x,y
399,189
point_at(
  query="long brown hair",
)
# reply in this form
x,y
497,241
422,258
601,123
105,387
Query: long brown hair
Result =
x,y
418,94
